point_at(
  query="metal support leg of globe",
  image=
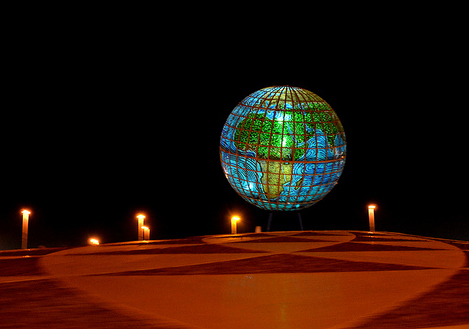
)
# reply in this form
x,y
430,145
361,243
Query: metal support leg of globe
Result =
x,y
269,222
301,221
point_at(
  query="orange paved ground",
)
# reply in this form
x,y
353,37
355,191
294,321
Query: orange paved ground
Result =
x,y
310,279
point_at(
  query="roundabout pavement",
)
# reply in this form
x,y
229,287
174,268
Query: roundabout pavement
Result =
x,y
307,279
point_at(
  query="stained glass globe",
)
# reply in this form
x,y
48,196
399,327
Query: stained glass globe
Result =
x,y
283,148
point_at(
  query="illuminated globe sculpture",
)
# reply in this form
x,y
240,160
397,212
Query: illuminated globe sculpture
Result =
x,y
283,148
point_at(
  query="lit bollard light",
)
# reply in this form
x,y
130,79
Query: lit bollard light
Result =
x,y
24,237
371,216
146,233
93,242
140,225
234,224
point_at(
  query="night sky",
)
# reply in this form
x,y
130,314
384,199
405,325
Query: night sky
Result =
x,y
99,124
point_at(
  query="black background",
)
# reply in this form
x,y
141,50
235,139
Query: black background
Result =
x,y
106,115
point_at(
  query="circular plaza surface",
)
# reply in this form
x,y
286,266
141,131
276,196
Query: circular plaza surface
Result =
x,y
307,279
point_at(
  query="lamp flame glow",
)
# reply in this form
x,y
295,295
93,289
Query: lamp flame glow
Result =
x,y
93,242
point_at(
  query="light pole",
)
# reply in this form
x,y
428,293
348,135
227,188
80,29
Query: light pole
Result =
x,y
371,216
140,225
146,233
24,237
234,221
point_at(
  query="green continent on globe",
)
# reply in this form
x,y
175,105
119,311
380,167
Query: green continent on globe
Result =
x,y
285,138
